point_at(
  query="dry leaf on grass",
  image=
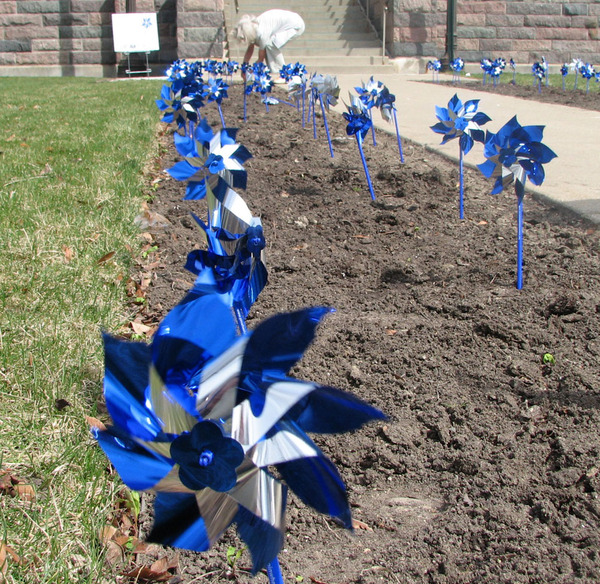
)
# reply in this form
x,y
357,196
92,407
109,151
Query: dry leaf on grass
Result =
x,y
160,571
106,257
12,485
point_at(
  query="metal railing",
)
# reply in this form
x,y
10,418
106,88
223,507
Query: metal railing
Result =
x,y
366,6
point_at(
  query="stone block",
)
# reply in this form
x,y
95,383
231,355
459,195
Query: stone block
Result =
x,y
203,35
30,32
538,20
20,20
8,7
467,45
531,45
202,5
578,48
584,21
96,44
499,20
575,9
93,6
66,19
492,7
200,19
474,19
145,6
42,7
594,9
532,8
16,46
478,32
99,18
514,32
566,34
56,45
44,58
495,46
94,58
200,50
82,32
8,58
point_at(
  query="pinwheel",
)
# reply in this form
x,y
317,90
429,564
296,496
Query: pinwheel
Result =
x,y
513,68
370,94
209,153
434,66
201,416
496,69
576,65
359,123
564,71
233,263
170,104
587,72
457,65
216,90
461,121
230,68
388,112
260,82
538,74
486,66
297,89
327,90
514,154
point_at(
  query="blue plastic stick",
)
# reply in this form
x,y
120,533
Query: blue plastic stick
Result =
x,y
461,166
221,114
245,97
303,105
362,157
326,125
398,135
372,127
274,572
240,320
519,243
314,115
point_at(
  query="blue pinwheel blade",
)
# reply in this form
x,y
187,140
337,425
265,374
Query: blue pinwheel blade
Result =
x,y
245,292
190,335
177,522
182,170
139,468
263,539
125,380
278,343
317,483
195,190
328,410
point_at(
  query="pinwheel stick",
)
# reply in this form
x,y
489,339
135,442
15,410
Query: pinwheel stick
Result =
x,y
314,115
362,157
461,180
519,242
274,572
372,127
245,97
303,105
398,135
326,125
221,114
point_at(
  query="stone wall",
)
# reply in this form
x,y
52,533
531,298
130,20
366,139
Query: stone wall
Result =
x,y
74,37
520,29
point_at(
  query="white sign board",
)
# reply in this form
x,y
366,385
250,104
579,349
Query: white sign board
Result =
x,y
135,32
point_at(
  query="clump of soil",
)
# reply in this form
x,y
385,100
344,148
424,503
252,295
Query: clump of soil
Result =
x,y
488,468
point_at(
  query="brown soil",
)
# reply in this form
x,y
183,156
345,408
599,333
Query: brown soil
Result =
x,y
488,469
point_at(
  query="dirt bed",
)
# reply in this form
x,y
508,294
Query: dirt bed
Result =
x,y
488,469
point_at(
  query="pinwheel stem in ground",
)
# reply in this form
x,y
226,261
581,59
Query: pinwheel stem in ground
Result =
x,y
461,181
326,125
221,115
519,243
274,572
398,135
362,157
314,115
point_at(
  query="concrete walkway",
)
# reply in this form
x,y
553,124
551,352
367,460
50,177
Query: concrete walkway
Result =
x,y
572,179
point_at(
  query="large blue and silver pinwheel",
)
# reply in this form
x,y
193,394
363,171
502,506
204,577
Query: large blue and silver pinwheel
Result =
x,y
514,154
370,95
209,153
201,416
461,121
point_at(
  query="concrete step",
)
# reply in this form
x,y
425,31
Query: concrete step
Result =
x,y
315,51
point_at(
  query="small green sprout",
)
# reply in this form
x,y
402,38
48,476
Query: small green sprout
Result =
x,y
548,359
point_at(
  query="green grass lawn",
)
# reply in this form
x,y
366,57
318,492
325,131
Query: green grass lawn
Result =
x,y
72,158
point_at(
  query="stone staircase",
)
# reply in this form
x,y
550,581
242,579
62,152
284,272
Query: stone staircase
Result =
x,y
338,37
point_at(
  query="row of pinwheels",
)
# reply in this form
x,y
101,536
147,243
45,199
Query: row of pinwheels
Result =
x,y
514,154
203,413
